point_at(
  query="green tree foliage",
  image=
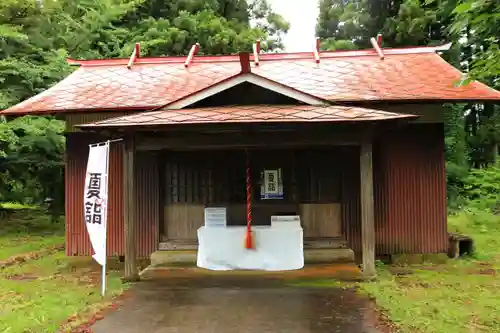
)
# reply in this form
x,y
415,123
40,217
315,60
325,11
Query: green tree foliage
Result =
x,y
456,153
479,22
481,192
36,37
31,159
412,25
28,64
347,24
342,24
473,26
271,23
110,28
31,150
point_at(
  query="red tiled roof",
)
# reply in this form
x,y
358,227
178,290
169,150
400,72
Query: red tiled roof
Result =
x,y
247,114
411,74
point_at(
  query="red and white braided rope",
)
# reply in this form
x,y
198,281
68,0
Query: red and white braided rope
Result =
x,y
249,193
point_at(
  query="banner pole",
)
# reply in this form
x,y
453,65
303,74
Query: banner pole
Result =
x,y
103,290
104,142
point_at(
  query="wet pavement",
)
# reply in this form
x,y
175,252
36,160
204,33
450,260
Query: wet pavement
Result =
x,y
242,305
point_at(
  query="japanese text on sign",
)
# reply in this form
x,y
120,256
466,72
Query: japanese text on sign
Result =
x,y
93,199
272,186
271,183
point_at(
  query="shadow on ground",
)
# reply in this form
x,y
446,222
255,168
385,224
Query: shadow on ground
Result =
x,y
240,304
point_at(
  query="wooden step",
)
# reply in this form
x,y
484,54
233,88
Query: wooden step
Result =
x,y
311,256
328,256
174,258
325,243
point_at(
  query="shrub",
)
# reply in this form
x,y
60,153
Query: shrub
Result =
x,y
481,190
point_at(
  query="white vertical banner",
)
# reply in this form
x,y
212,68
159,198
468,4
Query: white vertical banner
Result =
x,y
95,202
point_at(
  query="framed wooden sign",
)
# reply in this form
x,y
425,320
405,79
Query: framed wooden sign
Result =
x,y
272,184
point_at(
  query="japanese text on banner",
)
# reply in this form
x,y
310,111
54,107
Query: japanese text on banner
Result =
x,y
95,199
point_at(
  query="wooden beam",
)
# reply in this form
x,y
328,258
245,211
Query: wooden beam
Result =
x,y
256,52
367,211
129,204
251,140
316,50
192,53
377,48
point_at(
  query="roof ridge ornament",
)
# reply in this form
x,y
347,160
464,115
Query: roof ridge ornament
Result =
x,y
135,54
256,52
377,45
245,62
192,53
316,50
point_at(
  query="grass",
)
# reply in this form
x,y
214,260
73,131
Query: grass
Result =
x,y
443,298
16,206
21,244
28,229
40,295
461,296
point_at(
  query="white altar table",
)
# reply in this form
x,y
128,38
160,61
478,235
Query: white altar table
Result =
x,y
276,249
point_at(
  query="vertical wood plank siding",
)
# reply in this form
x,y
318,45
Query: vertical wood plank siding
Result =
x,y
351,205
77,240
410,191
193,180
84,117
148,203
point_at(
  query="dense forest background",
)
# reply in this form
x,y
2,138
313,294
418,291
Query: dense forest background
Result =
x,y
473,26
36,37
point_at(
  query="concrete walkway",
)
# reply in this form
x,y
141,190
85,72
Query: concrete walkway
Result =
x,y
239,305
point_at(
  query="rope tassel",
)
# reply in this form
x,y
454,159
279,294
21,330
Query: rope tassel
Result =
x,y
249,239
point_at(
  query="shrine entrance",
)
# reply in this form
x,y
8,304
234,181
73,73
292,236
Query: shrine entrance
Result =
x,y
305,182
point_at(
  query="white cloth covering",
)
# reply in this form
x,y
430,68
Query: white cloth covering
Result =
x,y
276,249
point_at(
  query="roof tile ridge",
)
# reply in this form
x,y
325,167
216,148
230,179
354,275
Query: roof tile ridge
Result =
x,y
286,56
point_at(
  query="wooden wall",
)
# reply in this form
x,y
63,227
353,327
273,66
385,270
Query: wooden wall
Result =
x,y
73,119
409,191
409,177
147,196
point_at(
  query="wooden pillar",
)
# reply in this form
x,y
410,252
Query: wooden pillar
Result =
x,y
367,211
129,216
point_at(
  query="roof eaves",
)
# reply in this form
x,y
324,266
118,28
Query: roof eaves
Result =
x,y
13,110
482,85
86,110
132,121
416,100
